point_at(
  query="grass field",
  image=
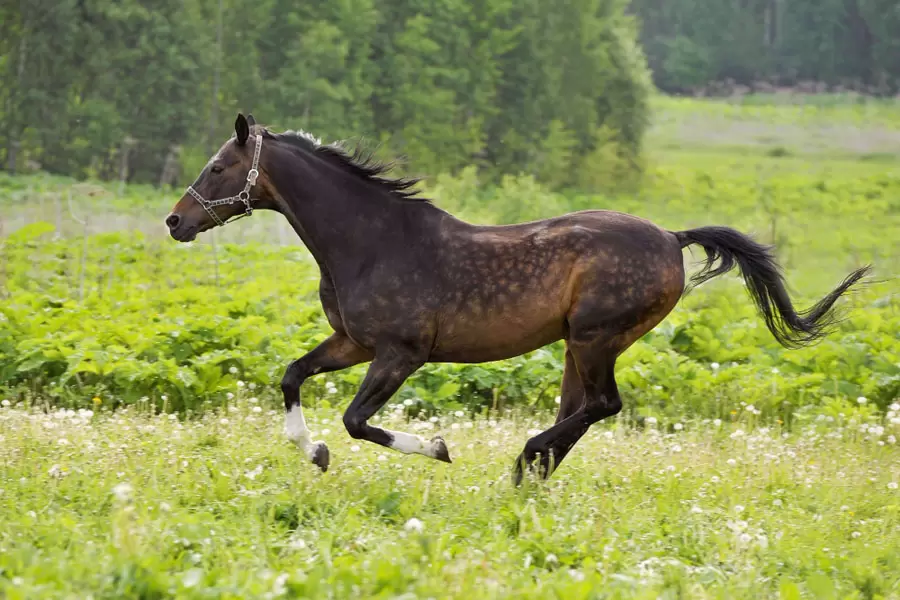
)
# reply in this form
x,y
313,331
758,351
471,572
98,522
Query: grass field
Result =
x,y
736,470
138,506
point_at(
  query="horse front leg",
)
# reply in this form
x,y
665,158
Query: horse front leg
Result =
x,y
390,368
336,353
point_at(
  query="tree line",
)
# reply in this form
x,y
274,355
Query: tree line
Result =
x,y
144,90
129,88
852,44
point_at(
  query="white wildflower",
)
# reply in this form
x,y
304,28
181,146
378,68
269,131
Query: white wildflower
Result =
x,y
414,525
192,577
678,426
862,400
714,366
123,492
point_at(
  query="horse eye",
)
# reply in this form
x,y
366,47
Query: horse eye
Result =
x,y
217,169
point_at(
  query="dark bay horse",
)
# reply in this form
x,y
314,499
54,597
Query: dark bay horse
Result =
x,y
404,283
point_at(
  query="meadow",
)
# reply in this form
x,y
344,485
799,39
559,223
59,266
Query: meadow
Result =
x,y
141,452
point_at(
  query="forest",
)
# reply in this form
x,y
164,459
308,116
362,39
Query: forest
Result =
x,y
144,91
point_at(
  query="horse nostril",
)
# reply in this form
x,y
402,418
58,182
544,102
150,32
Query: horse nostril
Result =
x,y
172,221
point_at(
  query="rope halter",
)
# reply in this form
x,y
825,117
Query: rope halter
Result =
x,y
243,195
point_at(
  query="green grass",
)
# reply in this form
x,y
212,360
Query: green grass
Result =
x,y
128,505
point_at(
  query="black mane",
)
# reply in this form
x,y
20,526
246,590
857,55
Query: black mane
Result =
x,y
358,161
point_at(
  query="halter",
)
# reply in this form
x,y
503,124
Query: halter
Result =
x,y
243,195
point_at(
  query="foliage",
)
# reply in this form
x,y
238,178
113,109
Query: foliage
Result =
x,y
132,505
100,85
136,319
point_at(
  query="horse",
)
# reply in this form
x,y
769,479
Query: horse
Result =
x,y
404,283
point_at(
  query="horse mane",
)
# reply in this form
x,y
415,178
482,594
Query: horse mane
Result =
x,y
357,161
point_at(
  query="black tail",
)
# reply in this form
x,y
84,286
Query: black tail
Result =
x,y
766,284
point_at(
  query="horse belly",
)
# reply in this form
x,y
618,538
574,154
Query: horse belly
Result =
x,y
474,338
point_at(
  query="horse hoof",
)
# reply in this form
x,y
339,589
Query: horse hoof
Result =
x,y
321,457
440,449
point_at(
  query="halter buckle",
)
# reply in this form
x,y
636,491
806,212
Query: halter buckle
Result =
x,y
252,175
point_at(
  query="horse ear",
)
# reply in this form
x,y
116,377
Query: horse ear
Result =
x,y
242,129
250,120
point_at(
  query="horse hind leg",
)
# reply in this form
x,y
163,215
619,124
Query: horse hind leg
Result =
x,y
591,351
571,396
600,399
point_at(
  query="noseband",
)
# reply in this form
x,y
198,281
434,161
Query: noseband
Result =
x,y
243,195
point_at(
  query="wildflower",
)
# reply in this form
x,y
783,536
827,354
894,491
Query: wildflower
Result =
x,y
855,534
895,407
731,462
252,386
192,577
678,426
459,414
223,421
717,422
738,509
253,400
233,370
776,502
651,421
697,510
354,448
123,492
408,402
862,400
892,485
240,383
257,409
891,439
775,370
551,559
164,507
96,400
557,400
414,525
714,366
676,448
55,471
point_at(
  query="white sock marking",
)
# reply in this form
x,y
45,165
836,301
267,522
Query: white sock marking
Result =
x,y
408,443
298,433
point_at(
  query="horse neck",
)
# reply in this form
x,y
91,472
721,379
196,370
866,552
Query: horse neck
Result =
x,y
342,220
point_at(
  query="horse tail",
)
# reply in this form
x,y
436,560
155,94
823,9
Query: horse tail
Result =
x,y
764,280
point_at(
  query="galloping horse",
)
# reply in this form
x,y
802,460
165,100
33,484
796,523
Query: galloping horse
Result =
x,y
404,283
